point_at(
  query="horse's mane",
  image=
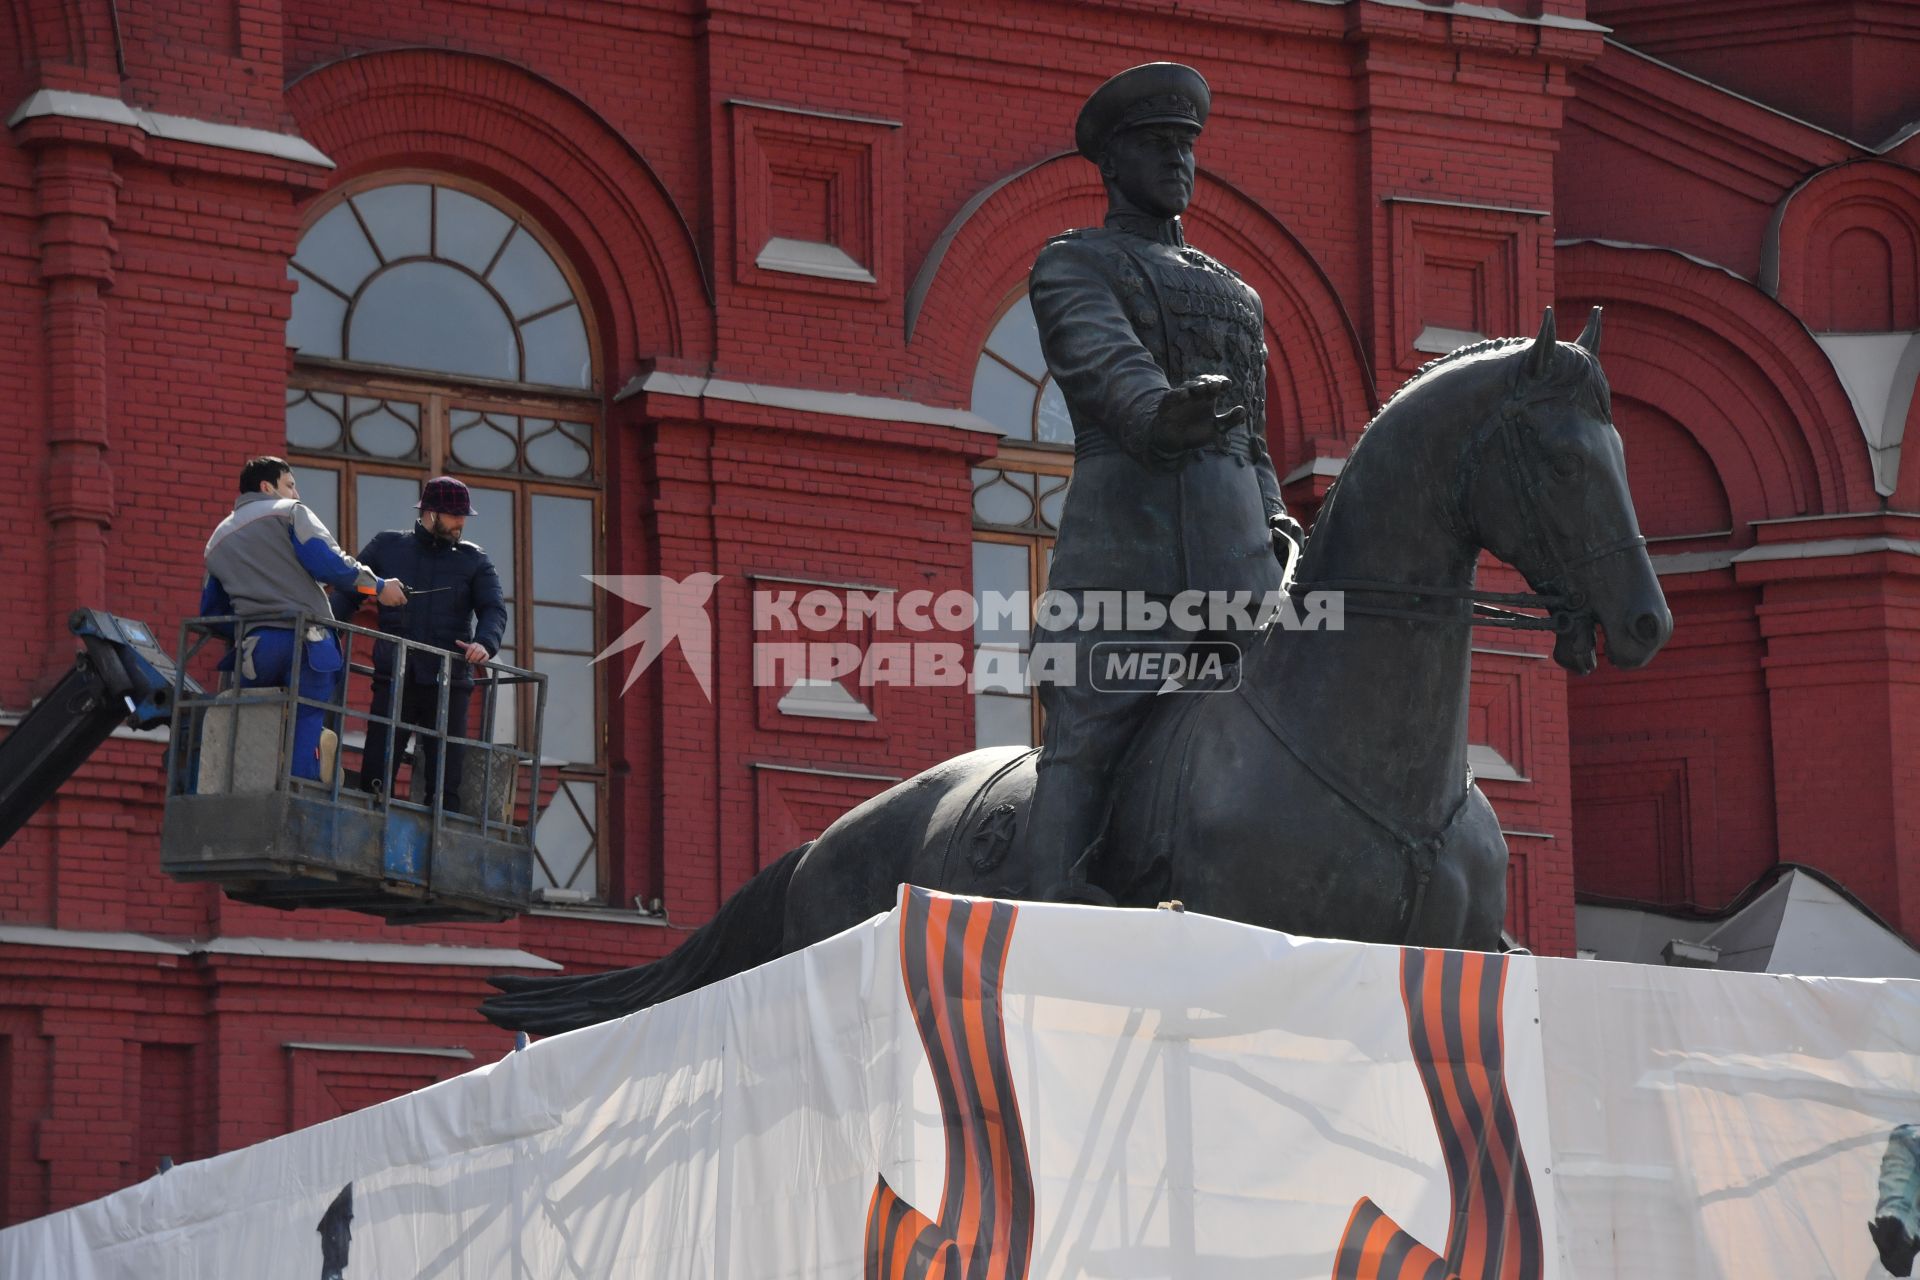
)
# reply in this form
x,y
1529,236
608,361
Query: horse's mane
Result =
x,y
1460,353
1440,364
1572,367
1571,364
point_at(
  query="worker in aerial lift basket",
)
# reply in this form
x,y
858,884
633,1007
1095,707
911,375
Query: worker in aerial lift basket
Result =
x,y
273,556
459,605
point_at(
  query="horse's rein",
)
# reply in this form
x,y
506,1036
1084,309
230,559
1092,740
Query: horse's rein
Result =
x,y
1487,610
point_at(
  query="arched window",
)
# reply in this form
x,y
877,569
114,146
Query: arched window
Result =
x,y
437,330
1016,512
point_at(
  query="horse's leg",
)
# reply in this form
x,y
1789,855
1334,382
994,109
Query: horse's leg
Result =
x,y
1466,901
1254,836
1486,913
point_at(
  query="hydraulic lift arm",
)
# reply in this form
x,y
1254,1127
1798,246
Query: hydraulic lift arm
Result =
x,y
122,677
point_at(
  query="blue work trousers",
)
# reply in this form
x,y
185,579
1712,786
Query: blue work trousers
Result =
x,y
266,658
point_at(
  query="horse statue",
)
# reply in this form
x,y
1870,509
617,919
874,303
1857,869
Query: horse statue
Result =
x,y
1326,792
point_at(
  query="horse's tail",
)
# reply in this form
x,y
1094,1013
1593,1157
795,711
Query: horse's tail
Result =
x,y
745,932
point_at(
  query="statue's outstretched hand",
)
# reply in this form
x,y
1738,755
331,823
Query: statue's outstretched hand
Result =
x,y
1190,416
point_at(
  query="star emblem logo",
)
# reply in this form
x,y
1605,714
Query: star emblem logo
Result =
x,y
675,609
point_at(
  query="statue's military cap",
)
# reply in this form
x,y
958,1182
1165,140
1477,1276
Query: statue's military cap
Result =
x,y
1155,93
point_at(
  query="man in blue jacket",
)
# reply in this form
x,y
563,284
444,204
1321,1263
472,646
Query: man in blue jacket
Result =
x,y
271,559
456,604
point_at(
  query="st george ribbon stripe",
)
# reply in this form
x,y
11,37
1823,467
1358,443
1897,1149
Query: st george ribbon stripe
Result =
x,y
1454,1003
953,955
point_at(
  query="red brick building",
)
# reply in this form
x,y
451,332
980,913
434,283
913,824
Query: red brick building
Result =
x,y
735,288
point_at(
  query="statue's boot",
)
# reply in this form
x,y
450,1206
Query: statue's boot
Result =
x,y
1069,809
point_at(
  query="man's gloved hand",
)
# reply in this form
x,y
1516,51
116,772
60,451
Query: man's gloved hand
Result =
x,y
1190,418
392,593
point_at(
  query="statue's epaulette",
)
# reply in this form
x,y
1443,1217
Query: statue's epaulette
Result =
x,y
1104,241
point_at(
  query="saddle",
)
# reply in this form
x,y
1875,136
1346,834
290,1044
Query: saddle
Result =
x,y
989,830
981,851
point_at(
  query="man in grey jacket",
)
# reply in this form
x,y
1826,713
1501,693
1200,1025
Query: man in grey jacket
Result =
x,y
272,559
1160,353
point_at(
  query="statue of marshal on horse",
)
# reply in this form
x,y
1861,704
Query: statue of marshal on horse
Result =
x,y
1323,787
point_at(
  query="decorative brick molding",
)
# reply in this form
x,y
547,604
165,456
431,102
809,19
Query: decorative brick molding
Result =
x,y
1644,810
794,804
326,1080
1711,351
811,200
1843,250
790,698
73,46
1463,269
1497,706
1844,65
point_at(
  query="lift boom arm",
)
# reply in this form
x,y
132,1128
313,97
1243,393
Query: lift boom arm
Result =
x,y
122,677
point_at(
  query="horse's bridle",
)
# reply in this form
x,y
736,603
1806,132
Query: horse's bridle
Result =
x,y
1564,606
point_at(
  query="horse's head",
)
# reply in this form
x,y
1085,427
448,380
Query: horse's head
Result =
x,y
1544,487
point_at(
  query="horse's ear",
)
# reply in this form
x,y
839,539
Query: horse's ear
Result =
x,y
1540,354
1590,336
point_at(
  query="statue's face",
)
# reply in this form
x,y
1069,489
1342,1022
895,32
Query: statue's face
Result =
x,y
1153,167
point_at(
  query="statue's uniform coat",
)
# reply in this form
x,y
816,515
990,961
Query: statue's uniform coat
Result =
x,y
1122,317
1126,312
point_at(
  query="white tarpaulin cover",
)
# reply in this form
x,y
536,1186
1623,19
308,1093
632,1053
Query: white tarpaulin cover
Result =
x,y
967,1088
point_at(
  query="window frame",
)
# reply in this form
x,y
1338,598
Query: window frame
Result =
x,y
440,395
435,418
1036,548
339,195
1029,457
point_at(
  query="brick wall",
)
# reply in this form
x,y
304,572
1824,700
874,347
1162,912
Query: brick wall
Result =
x,y
1718,233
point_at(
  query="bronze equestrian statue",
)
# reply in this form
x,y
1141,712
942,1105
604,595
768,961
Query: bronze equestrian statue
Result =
x,y
1323,788
1160,354
1328,793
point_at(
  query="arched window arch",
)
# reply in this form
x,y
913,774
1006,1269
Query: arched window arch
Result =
x,y
426,276
1017,500
437,330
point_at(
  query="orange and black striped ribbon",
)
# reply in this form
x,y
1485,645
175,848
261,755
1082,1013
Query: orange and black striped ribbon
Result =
x,y
952,955
1454,1024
